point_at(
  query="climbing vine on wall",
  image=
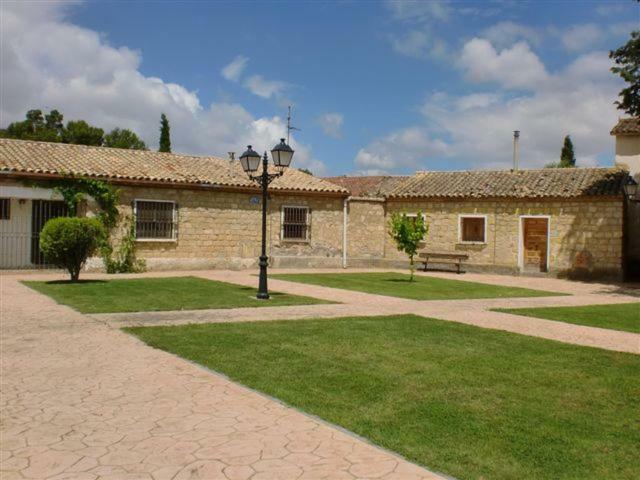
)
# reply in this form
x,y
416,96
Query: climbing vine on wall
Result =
x,y
74,190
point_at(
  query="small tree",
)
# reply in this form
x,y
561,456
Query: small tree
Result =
x,y
567,157
627,65
67,242
123,138
165,137
408,233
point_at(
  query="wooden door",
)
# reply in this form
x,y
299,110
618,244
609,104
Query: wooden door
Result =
x,y
535,231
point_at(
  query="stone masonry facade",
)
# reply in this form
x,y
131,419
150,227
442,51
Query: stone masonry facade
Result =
x,y
222,229
585,234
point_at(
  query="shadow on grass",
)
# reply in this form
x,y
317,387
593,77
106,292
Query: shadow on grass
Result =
x,y
78,282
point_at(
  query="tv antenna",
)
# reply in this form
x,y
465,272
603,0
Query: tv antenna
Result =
x,y
289,127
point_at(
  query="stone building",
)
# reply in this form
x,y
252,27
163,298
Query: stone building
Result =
x,y
563,222
189,212
203,212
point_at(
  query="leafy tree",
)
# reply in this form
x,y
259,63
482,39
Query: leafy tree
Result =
x,y
81,133
627,65
67,242
567,157
408,233
53,121
123,138
306,170
165,138
36,127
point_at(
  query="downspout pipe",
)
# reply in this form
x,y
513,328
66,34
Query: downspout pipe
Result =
x,y
345,224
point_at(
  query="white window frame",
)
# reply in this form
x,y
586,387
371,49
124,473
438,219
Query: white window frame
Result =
x,y
521,239
424,218
461,217
308,222
174,238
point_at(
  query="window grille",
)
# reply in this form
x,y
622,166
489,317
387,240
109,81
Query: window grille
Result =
x,y
156,220
295,223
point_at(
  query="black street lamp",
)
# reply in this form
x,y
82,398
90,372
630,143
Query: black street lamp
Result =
x,y
250,161
631,189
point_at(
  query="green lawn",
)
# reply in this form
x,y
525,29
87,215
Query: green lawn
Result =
x,y
624,317
422,288
157,294
471,402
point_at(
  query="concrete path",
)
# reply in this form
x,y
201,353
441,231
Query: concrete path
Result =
x,y
472,312
82,400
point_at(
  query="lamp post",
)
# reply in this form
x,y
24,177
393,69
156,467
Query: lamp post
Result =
x,y
250,161
631,190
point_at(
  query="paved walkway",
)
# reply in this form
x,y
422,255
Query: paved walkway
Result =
x,y
82,400
472,312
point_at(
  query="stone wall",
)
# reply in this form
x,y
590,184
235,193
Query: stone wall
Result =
x,y
366,232
585,235
218,229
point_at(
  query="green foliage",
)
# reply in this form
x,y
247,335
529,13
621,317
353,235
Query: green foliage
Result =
x,y
567,157
73,191
306,170
125,260
67,242
50,128
627,66
408,233
81,133
38,127
123,138
165,137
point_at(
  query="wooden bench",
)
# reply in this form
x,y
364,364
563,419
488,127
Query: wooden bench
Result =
x,y
456,259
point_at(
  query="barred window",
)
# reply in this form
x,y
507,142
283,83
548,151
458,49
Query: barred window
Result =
x,y
295,223
5,208
472,229
156,220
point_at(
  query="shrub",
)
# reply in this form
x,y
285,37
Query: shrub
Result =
x,y
67,242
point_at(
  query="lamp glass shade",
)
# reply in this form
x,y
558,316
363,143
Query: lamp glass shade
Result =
x,y
250,160
282,154
631,189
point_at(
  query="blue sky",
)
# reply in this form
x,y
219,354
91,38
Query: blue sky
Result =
x,y
376,87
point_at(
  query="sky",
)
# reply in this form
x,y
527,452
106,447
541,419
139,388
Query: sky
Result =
x,y
376,87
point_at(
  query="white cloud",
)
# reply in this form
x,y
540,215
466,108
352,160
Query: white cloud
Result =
x,y
419,10
331,124
514,67
476,129
506,33
261,87
417,44
579,38
76,72
403,150
235,68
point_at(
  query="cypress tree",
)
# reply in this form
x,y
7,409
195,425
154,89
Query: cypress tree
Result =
x,y
567,157
165,139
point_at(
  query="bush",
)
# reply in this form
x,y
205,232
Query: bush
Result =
x,y
67,242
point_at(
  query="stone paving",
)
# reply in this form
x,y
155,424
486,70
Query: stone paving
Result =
x,y
82,400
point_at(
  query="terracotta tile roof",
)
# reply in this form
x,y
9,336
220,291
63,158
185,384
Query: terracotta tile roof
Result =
x,y
627,126
545,183
28,157
372,186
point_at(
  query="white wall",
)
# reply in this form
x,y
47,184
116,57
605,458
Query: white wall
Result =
x,y
15,235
